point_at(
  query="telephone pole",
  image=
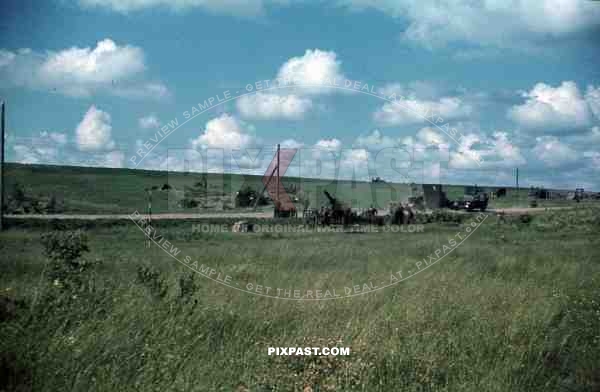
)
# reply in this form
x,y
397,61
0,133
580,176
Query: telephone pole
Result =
x,y
517,180
278,179
2,167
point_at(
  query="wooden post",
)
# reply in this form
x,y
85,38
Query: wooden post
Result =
x,y
2,167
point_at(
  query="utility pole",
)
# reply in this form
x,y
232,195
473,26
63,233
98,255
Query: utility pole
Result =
x,y
278,184
517,180
147,242
2,167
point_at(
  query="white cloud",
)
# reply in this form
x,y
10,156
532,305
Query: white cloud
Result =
x,y
149,121
592,97
145,90
483,152
418,88
233,7
273,106
56,137
113,159
552,109
225,131
299,77
594,157
44,148
591,138
81,72
6,57
94,132
496,23
291,143
316,67
358,155
328,144
375,140
103,64
245,162
33,154
414,111
553,153
430,136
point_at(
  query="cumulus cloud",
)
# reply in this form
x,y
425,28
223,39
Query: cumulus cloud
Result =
x,y
225,131
291,143
42,149
328,144
272,106
232,7
81,72
554,109
485,152
94,132
113,159
554,153
317,68
375,140
356,155
56,137
149,121
503,24
591,138
594,157
145,90
414,111
297,81
430,136
592,97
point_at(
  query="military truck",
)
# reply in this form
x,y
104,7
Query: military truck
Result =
x,y
475,198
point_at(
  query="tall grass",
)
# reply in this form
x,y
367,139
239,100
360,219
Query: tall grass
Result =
x,y
516,307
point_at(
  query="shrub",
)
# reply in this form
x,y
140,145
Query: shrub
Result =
x,y
64,250
526,219
152,280
187,286
189,203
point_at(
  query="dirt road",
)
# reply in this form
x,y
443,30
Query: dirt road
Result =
x,y
234,215
525,210
172,216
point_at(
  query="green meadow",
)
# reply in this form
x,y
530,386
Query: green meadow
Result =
x,y
515,307
88,190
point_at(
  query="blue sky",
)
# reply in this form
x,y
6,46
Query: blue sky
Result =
x,y
91,82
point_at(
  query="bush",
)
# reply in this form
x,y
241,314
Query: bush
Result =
x,y
189,203
526,219
187,286
152,279
64,250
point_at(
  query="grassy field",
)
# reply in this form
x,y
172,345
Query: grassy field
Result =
x,y
515,308
101,190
